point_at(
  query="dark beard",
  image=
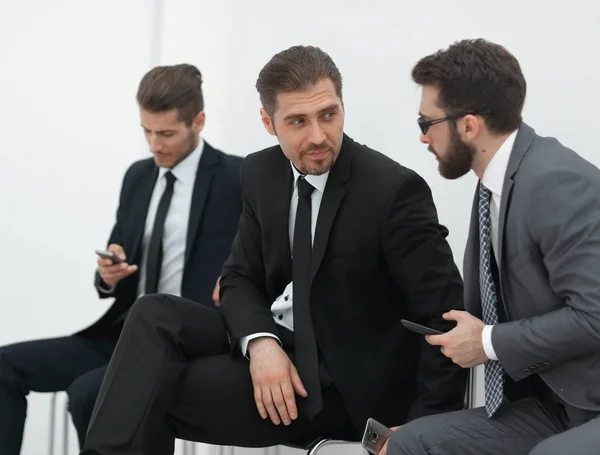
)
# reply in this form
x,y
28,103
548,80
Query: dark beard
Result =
x,y
459,159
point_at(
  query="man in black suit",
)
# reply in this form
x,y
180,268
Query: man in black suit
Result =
x,y
379,255
176,246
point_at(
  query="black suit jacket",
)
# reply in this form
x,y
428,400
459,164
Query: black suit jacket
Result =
x,y
380,256
214,214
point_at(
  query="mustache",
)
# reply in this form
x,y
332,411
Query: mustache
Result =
x,y
313,147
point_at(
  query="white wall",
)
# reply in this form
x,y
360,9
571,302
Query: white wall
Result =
x,y
69,122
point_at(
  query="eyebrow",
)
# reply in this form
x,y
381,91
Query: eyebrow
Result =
x,y
159,132
331,107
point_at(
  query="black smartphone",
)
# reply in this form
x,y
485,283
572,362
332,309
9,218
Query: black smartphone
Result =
x,y
109,255
375,436
418,328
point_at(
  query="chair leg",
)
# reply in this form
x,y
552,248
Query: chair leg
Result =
x,y
66,429
52,424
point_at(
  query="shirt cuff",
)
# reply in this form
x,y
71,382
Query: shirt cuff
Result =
x,y
101,288
487,342
245,340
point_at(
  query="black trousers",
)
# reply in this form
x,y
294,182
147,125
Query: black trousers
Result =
x,y
172,376
73,364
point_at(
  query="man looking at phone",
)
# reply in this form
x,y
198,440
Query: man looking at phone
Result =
x,y
177,217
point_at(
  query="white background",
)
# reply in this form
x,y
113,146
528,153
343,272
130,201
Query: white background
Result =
x,y
69,126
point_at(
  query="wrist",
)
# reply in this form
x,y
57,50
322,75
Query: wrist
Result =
x,y
258,344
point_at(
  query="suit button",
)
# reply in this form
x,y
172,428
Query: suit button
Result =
x,y
533,368
540,365
280,317
286,298
526,371
547,364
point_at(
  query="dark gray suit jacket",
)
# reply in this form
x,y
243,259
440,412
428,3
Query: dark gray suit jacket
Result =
x,y
549,269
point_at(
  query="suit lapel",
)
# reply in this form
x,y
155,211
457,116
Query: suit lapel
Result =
x,y
281,196
140,208
204,176
330,203
471,261
522,142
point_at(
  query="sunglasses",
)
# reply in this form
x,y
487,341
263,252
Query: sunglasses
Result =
x,y
424,125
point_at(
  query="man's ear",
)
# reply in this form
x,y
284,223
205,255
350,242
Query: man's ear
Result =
x,y
198,123
267,122
472,126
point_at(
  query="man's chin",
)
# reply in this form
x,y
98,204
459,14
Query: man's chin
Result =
x,y
163,161
317,167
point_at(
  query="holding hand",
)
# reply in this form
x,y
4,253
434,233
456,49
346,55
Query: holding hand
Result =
x,y
463,344
112,273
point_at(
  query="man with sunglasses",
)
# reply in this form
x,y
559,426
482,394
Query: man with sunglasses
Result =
x,y
531,267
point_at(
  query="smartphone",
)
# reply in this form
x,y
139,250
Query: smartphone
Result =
x,y
418,328
109,255
375,436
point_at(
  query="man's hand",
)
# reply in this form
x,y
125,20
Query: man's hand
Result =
x,y
463,344
275,379
383,450
215,295
111,273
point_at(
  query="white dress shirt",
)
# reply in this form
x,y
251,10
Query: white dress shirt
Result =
x,y
175,227
282,308
493,179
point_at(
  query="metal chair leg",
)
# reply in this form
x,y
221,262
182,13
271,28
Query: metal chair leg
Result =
x,y
52,424
66,429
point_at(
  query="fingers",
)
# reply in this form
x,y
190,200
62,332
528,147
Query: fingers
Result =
x,y
453,315
267,400
117,249
287,407
279,403
435,340
215,295
259,403
297,382
113,273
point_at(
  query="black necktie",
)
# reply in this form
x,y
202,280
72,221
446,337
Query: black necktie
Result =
x,y
155,246
307,360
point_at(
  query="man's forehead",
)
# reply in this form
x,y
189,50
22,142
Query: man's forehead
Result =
x,y
311,99
164,118
429,103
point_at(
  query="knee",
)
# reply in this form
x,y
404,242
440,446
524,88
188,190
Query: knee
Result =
x,y
408,439
82,397
547,447
8,374
148,306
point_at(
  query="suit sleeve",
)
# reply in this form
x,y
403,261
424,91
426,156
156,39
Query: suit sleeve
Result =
x,y
115,237
421,262
244,302
564,222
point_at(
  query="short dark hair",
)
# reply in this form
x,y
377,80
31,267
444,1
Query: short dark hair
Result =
x,y
296,68
476,74
172,87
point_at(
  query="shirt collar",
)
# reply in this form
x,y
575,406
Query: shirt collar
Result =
x,y
318,181
185,170
493,176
